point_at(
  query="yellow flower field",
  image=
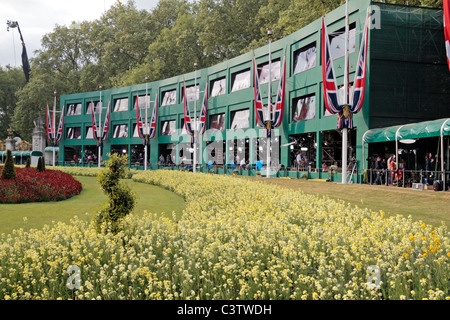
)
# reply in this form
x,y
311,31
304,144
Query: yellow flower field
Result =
x,y
237,239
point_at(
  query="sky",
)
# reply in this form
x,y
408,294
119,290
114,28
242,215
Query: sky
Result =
x,y
39,17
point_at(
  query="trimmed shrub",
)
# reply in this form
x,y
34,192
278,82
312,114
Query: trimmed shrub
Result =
x,y
121,200
8,171
28,163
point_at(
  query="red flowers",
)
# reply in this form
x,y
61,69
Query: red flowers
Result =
x,y
33,186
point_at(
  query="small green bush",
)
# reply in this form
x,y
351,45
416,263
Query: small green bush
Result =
x,y
28,163
40,165
121,200
8,171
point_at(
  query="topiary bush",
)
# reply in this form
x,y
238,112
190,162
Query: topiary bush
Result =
x,y
39,165
121,200
28,163
8,171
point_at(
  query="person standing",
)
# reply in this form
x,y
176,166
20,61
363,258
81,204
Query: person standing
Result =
x,y
378,168
393,168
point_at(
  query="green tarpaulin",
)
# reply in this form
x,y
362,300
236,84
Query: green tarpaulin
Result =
x,y
50,149
421,130
16,153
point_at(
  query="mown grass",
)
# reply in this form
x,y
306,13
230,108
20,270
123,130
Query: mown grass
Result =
x,y
428,206
85,205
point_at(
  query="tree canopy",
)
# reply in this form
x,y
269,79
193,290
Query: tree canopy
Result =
x,y
125,44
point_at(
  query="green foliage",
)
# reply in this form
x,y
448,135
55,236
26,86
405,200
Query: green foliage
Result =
x,y
8,171
40,165
121,200
11,80
28,163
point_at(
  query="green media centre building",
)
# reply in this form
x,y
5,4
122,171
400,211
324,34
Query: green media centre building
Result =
x,y
408,83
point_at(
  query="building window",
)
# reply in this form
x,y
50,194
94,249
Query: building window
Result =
x,y
218,87
240,119
74,109
264,73
135,131
304,108
305,58
337,42
120,131
192,93
168,128
121,150
89,133
73,133
169,98
89,107
240,80
143,102
121,105
217,121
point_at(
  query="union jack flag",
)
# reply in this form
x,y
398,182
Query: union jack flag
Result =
x,y
204,111
187,115
345,111
329,80
447,29
50,134
154,120
357,96
279,106
258,97
140,128
59,133
94,123
106,124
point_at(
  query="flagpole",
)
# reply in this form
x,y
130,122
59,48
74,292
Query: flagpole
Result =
x,y
195,119
53,129
346,102
269,104
147,130
99,128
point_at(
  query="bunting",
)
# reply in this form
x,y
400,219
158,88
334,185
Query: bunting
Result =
x,y
59,133
356,95
94,123
106,124
204,112
258,97
49,126
329,78
154,120
187,115
140,127
279,106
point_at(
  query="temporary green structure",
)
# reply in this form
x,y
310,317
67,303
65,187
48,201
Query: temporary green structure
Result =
x,y
412,131
421,130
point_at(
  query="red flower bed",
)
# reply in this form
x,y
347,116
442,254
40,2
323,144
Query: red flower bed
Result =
x,y
33,186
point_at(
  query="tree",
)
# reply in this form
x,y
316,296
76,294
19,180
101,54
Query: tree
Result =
x,y
227,27
11,80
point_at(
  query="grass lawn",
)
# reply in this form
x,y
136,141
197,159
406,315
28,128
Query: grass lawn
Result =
x,y
428,206
36,215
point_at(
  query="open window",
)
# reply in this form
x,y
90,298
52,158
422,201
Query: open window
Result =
x,y
305,58
240,80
